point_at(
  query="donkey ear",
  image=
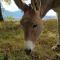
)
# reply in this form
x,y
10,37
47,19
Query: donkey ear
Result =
x,y
21,5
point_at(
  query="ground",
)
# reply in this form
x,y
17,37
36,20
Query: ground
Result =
x,y
12,42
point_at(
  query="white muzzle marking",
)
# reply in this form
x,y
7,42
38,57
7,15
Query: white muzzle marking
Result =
x,y
29,45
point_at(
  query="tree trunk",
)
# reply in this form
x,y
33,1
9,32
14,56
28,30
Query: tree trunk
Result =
x,y
1,17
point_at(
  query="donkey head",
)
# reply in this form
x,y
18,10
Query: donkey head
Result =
x,y
31,22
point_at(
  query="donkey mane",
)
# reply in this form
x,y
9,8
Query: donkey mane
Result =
x,y
46,5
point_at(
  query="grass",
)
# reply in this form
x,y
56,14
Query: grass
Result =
x,y
12,41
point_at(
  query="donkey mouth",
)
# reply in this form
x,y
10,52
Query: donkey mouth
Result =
x,y
29,46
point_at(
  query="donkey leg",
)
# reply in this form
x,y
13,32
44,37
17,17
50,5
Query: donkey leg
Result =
x,y
57,46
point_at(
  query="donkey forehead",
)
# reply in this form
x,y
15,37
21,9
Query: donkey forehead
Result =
x,y
30,20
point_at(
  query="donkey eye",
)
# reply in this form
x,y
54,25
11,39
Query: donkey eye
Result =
x,y
34,25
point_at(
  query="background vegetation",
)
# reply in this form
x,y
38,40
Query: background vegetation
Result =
x,y
12,41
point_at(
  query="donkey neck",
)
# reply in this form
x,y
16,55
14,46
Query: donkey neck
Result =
x,y
45,7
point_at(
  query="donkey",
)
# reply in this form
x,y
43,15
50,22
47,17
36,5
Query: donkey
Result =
x,y
32,20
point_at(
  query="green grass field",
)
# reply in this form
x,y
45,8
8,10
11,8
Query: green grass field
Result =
x,y
12,41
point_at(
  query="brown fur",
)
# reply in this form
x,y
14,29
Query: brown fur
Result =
x,y
33,14
30,32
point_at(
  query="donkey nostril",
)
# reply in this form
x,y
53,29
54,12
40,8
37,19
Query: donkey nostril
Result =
x,y
28,51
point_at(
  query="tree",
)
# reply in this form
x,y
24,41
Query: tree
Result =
x,y
1,17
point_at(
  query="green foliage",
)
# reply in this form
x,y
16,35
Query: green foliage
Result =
x,y
12,38
9,18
